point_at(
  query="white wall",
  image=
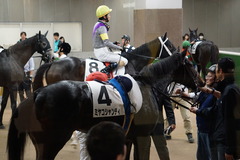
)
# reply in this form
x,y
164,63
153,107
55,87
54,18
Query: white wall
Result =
x,y
158,4
72,32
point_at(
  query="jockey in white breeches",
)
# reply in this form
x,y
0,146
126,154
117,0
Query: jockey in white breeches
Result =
x,y
101,41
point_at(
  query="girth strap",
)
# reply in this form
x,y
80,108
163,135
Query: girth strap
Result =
x,y
126,102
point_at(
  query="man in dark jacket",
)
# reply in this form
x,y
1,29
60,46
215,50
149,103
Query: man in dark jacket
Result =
x,y
226,134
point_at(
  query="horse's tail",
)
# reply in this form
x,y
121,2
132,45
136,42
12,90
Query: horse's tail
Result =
x,y
214,54
40,75
16,141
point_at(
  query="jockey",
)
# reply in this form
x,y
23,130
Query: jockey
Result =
x,y
101,40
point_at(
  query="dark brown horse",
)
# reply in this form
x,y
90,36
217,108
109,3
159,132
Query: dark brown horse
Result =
x,y
206,51
65,106
12,62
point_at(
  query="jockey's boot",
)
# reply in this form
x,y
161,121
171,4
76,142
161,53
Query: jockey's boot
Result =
x,y
107,70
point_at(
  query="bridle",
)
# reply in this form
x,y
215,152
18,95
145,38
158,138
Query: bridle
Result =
x,y
170,97
163,46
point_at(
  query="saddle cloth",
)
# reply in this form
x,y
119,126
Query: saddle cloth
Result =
x,y
91,66
1,49
193,48
107,101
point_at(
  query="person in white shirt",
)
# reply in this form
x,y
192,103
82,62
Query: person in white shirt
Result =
x,y
26,85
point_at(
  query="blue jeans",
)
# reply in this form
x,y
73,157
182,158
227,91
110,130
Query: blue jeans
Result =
x,y
218,151
203,150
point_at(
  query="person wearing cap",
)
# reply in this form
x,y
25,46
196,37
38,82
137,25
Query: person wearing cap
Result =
x,y
201,37
206,101
127,48
101,41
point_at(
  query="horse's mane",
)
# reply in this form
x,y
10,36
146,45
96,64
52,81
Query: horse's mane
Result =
x,y
22,44
161,68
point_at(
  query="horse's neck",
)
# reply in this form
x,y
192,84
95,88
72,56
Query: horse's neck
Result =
x,y
144,55
22,51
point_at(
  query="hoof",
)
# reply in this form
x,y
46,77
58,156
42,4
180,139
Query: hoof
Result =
x,y
2,126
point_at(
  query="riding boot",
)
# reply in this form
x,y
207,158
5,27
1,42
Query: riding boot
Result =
x,y
107,70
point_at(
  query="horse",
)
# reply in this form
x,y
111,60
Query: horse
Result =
x,y
12,62
206,51
65,106
72,68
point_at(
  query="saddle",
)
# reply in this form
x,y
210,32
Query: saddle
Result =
x,y
94,65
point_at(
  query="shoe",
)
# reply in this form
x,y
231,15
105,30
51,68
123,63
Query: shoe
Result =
x,y
107,70
190,138
167,136
2,126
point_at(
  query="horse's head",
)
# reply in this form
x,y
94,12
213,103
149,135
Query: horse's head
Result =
x,y
148,52
186,73
193,34
43,45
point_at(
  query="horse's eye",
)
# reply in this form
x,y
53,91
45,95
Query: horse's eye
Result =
x,y
44,44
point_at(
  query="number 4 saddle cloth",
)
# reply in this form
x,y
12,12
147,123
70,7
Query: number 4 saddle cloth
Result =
x,y
111,98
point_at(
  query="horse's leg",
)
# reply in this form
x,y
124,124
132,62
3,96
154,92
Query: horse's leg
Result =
x,y
49,142
142,148
13,98
3,105
129,144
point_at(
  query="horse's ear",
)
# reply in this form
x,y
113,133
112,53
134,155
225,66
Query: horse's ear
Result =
x,y
196,29
46,34
165,36
190,30
39,35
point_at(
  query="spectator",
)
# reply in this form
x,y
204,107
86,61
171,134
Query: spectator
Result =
x,y
26,86
106,141
126,44
23,36
201,37
205,121
186,37
184,112
226,134
62,39
57,42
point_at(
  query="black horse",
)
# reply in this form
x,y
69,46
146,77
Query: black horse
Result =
x,y
12,62
206,51
65,106
74,69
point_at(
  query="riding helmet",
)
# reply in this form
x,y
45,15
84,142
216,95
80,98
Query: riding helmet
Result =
x,y
102,11
65,47
126,37
186,44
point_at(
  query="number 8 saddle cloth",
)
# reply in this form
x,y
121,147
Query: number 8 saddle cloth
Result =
x,y
111,98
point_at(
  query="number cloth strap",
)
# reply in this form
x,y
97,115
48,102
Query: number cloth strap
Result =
x,y
125,99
